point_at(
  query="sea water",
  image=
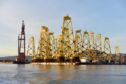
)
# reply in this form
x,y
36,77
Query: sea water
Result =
x,y
62,74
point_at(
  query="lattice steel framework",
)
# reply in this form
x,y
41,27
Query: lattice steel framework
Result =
x,y
21,45
117,54
67,37
78,43
31,47
58,44
98,46
107,49
92,49
85,44
68,46
52,45
43,50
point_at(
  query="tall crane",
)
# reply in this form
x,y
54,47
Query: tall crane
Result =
x,y
21,46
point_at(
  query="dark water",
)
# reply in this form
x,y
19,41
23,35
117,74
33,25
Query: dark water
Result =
x,y
62,74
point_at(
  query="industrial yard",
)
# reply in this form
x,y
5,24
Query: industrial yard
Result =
x,y
62,41
73,46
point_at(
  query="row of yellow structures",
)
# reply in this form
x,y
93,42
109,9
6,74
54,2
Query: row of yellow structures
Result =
x,y
69,45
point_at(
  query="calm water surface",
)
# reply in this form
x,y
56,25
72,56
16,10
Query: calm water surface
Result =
x,y
62,74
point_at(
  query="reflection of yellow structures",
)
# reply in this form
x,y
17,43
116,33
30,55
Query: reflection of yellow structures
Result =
x,y
70,46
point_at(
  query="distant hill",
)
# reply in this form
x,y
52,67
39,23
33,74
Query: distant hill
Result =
x,y
13,58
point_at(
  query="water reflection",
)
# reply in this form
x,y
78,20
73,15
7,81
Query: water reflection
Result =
x,y
62,74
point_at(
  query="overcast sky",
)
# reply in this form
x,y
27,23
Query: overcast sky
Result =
x,y
107,17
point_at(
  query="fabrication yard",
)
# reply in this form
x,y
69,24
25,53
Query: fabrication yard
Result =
x,y
79,47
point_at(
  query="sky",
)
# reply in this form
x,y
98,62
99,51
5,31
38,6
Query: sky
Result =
x,y
107,17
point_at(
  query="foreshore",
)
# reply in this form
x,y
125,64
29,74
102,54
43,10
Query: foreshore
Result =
x,y
63,63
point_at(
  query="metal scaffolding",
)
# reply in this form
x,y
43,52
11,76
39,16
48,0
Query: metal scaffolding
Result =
x,y
85,45
31,47
21,45
117,54
78,43
43,50
107,50
92,49
69,46
98,46
52,45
